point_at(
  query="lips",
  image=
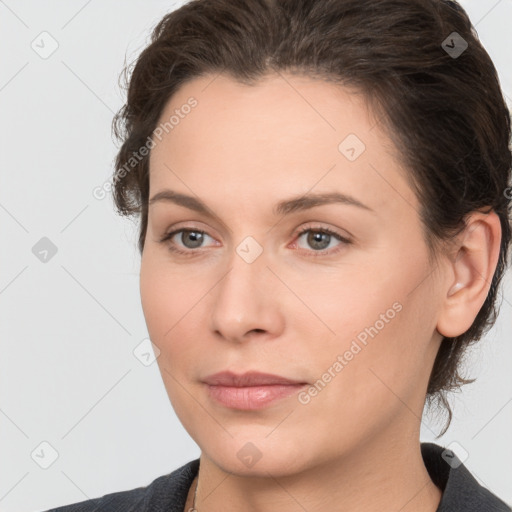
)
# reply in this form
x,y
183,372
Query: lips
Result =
x,y
249,379
251,390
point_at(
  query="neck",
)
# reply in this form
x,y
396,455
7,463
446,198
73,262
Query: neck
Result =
x,y
376,478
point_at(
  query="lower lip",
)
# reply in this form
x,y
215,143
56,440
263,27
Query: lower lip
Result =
x,y
253,397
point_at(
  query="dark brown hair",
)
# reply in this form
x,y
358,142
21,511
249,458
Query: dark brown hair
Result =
x,y
444,112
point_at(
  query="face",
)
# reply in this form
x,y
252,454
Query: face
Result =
x,y
335,295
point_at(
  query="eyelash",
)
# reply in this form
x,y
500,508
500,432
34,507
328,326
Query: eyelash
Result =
x,y
324,252
193,252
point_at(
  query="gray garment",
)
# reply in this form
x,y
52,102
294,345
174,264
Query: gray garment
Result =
x,y
168,493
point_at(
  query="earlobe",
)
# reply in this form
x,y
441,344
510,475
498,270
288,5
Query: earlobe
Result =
x,y
471,274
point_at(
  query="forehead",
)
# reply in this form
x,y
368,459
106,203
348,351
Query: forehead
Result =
x,y
285,131
298,108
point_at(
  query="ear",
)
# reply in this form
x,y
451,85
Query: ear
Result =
x,y
470,272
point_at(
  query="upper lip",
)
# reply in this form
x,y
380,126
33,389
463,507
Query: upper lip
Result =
x,y
248,379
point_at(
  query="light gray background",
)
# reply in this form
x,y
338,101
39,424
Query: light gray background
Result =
x,y
69,326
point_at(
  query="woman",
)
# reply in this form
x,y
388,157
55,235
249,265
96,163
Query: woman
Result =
x,y
323,190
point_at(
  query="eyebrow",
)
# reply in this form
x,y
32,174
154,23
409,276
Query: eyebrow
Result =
x,y
285,207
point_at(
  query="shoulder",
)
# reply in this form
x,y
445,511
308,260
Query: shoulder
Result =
x,y
461,490
166,493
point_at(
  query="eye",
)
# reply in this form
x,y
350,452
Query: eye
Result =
x,y
320,239
190,239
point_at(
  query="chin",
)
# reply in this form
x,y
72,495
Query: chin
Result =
x,y
258,454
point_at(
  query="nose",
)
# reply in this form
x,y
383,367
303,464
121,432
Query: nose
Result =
x,y
246,301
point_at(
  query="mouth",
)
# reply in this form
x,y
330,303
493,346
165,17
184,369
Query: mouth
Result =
x,y
251,390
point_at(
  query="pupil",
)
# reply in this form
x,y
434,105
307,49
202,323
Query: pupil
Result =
x,y
316,238
193,236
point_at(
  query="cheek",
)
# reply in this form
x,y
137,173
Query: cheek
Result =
x,y
168,301
381,326
167,296
171,300
155,299
365,375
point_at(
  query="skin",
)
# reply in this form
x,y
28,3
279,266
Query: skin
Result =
x,y
355,446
